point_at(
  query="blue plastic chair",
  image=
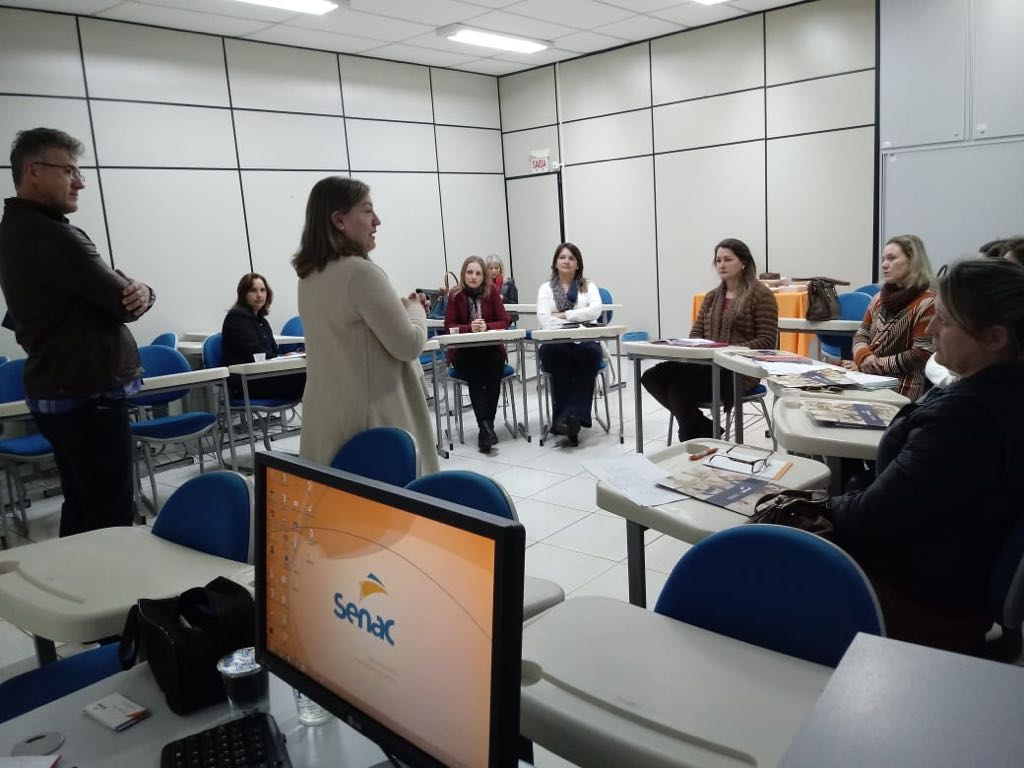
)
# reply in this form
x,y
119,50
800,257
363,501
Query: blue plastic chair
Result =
x,y
161,430
852,306
1006,597
606,298
385,454
870,289
508,392
50,682
169,339
292,327
470,489
14,451
756,394
210,513
775,587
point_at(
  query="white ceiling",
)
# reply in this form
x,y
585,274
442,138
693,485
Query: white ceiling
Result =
x,y
405,30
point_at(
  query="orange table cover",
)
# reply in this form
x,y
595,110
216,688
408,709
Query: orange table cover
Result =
x,y
791,304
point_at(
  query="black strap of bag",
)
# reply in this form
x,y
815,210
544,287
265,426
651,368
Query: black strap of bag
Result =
x,y
806,510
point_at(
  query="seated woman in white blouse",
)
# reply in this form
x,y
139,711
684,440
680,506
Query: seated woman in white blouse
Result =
x,y
569,298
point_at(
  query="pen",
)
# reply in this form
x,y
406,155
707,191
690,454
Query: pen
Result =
x,y
702,454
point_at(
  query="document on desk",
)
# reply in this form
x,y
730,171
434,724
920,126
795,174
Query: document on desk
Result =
x,y
735,492
634,476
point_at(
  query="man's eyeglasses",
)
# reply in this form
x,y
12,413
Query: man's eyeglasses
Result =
x,y
72,171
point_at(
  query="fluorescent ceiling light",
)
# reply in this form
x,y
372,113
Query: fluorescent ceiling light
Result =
x,y
710,2
463,34
316,7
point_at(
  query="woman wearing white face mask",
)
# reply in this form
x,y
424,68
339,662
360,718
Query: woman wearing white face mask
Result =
x,y
474,307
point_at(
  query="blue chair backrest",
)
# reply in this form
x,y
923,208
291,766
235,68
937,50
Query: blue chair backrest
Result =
x,y
293,327
606,298
3,359
852,306
211,513
1006,583
12,382
169,339
776,587
213,351
470,489
160,361
871,289
386,454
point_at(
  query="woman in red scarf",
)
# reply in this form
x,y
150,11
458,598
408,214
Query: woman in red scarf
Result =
x,y
893,339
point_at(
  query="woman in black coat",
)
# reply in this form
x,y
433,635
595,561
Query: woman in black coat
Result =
x,y
246,334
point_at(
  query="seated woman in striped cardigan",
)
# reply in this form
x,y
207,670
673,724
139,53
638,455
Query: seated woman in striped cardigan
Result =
x,y
893,339
740,311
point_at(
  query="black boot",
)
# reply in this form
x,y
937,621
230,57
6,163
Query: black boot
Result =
x,y
483,442
492,436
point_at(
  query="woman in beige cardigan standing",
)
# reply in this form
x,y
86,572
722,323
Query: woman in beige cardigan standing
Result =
x,y
363,341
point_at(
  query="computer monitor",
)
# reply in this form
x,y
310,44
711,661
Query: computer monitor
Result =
x,y
400,613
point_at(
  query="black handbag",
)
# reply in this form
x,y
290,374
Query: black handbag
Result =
x,y
184,637
805,510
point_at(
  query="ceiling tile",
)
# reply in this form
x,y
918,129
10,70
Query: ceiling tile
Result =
x,y
582,14
67,6
436,12
346,22
491,67
498,21
586,42
311,38
644,6
226,8
492,3
639,28
760,5
694,14
180,19
414,55
536,59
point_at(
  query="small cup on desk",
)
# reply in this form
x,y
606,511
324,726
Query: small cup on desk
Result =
x,y
259,357
246,682
310,713
453,330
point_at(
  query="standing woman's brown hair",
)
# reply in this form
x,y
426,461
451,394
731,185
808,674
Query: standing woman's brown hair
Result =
x,y
322,242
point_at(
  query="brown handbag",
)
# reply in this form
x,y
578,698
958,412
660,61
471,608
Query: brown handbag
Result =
x,y
797,509
822,299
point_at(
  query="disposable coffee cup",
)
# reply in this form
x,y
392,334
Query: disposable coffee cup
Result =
x,y
453,330
259,357
246,682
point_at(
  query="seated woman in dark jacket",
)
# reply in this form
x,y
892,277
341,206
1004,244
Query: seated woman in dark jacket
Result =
x,y
949,484
247,334
476,306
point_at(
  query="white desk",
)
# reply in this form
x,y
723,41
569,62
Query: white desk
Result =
x,y
834,327
606,683
531,309
80,588
201,336
638,351
279,366
891,703
688,519
583,333
484,339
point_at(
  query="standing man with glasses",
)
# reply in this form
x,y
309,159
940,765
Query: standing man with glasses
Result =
x,y
68,308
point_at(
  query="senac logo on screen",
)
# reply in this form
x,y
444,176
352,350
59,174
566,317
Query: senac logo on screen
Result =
x,y
377,625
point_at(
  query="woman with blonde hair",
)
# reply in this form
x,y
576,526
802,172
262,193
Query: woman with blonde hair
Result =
x,y
893,339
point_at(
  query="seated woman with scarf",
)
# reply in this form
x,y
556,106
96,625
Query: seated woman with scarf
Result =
x,y
893,339
569,298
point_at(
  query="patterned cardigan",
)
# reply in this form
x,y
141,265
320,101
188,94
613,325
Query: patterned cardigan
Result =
x,y
755,326
899,341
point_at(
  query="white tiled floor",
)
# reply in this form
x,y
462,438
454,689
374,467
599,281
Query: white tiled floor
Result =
x,y
568,539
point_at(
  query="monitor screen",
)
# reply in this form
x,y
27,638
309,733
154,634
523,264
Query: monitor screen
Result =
x,y
400,613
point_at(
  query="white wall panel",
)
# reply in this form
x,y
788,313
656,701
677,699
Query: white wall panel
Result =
x,y
288,79
475,221
464,98
998,90
821,206
127,61
706,122
527,99
18,113
272,140
821,38
275,207
604,83
518,146
717,59
192,251
410,247
606,138
381,146
821,105
609,214
704,196
472,150
385,89
166,136
534,231
39,54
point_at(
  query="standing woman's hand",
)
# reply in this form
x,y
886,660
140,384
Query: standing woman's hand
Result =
x,y
413,299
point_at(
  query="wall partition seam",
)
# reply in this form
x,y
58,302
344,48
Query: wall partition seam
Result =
x,y
764,111
344,114
92,134
654,194
504,176
437,163
238,159
876,219
561,155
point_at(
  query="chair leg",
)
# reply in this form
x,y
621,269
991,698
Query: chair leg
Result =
x,y
152,476
3,511
770,431
602,377
215,438
457,399
509,393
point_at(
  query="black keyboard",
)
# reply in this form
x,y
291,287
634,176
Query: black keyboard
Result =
x,y
252,741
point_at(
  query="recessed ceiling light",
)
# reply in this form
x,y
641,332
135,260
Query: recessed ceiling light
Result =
x,y
710,2
316,7
463,34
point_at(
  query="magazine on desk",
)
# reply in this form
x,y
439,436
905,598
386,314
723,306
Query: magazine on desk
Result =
x,y
850,413
774,356
833,377
731,490
690,343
